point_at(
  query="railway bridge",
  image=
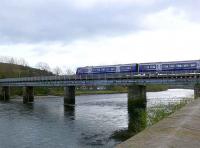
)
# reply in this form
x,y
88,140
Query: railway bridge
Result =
x,y
135,82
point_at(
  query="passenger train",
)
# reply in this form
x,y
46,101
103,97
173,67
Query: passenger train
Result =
x,y
142,68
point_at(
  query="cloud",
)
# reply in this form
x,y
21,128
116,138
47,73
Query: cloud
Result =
x,y
99,32
85,4
64,21
169,18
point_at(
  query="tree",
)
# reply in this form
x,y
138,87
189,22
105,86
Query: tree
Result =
x,y
43,66
22,61
57,70
68,71
4,59
12,61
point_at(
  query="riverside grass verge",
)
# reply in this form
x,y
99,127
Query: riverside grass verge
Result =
x,y
153,115
159,112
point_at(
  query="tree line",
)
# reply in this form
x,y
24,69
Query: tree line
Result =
x,y
40,65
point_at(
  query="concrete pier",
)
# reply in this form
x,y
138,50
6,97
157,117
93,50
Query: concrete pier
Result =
x,y
197,91
137,96
136,108
69,95
28,94
5,93
179,130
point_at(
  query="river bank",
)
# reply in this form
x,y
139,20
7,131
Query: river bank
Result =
x,y
110,90
180,130
58,91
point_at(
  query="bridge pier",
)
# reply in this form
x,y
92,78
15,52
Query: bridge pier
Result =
x,y
5,93
197,91
137,96
69,95
137,108
28,95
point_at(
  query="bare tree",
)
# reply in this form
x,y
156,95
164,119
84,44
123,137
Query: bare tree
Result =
x,y
43,66
68,71
4,59
12,60
22,61
57,70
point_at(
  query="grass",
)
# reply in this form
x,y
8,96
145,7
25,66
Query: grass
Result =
x,y
87,92
159,112
153,115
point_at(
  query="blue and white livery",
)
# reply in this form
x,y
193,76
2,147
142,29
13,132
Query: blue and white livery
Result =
x,y
155,67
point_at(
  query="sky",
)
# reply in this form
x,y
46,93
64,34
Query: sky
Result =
x,y
71,34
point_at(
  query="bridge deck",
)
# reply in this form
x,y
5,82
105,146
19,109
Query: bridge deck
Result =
x,y
108,79
180,130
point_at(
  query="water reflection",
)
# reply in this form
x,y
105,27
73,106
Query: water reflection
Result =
x,y
29,106
69,112
47,123
137,120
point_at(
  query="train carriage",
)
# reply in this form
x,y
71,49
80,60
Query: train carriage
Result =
x,y
149,67
180,66
128,68
176,66
154,68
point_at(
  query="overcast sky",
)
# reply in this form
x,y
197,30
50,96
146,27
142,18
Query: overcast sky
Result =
x,y
73,33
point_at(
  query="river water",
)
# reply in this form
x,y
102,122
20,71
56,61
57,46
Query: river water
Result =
x,y
93,121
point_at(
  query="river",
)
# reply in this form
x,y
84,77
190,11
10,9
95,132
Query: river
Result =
x,y
91,123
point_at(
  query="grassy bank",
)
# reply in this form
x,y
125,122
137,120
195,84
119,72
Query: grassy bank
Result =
x,y
148,118
93,92
160,112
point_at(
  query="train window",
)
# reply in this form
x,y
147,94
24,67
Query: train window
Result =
x,y
171,65
185,65
178,65
152,66
83,70
193,65
165,66
125,68
110,68
102,69
146,67
96,69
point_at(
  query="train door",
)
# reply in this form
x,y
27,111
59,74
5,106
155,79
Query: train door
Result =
x,y
137,68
